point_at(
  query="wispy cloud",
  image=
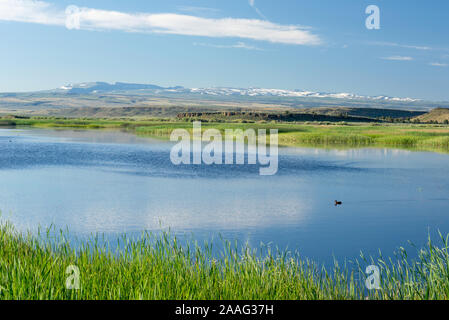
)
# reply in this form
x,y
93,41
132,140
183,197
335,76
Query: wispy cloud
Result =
x,y
398,58
162,23
31,11
438,64
394,44
198,10
238,45
252,3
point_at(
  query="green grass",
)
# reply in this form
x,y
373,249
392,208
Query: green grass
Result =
x,y
428,137
384,135
158,267
408,136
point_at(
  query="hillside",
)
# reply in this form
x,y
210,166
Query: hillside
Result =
x,y
439,115
123,95
375,113
286,116
131,100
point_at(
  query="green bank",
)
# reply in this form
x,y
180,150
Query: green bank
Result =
x,y
158,267
430,137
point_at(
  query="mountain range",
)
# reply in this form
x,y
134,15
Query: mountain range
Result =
x,y
120,99
104,87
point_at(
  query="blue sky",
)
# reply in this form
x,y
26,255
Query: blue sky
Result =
x,y
286,44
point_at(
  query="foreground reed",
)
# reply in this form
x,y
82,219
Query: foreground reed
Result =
x,y
159,267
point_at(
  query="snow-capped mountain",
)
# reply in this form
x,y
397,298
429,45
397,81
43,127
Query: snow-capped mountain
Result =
x,y
218,91
102,87
94,87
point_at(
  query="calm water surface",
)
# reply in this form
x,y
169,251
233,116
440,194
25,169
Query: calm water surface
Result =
x,y
113,182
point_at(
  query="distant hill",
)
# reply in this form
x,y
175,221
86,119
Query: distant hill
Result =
x,y
440,115
104,87
374,113
285,116
99,87
119,99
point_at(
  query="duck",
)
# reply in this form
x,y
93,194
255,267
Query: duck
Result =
x,y
338,203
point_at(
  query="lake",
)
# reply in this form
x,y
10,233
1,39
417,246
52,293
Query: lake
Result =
x,y
113,182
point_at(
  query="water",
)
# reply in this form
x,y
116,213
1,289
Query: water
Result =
x,y
112,182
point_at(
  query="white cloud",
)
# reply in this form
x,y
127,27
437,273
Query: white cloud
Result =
x,y
438,64
393,44
30,11
163,23
398,58
238,45
243,45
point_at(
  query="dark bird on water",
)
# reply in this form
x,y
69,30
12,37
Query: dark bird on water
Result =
x,y
338,203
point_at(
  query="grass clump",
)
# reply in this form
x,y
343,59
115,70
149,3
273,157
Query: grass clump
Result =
x,y
159,267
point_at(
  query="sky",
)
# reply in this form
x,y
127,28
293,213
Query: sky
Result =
x,y
284,44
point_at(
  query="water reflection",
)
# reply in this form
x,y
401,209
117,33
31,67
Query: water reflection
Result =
x,y
113,182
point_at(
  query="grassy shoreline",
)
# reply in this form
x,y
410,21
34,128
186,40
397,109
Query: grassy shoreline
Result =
x,y
425,137
158,267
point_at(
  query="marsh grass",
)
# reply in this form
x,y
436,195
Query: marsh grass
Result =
x,y
159,267
425,137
